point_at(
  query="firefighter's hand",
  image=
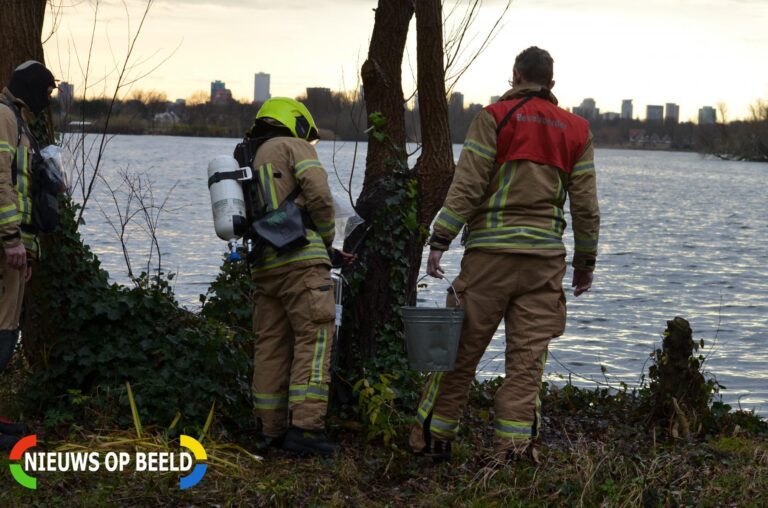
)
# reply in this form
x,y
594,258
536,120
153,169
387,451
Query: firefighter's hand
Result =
x,y
582,281
16,257
433,264
341,258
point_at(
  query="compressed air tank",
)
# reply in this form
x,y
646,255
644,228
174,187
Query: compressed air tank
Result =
x,y
227,200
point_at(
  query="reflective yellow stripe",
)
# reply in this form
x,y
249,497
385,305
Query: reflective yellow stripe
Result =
x,y
268,186
429,401
513,429
558,214
315,250
317,361
498,199
270,401
6,147
484,151
325,228
23,187
583,167
305,165
449,220
9,214
297,393
316,391
522,237
585,244
445,427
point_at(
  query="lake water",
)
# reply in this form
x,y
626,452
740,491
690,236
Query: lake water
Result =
x,y
681,235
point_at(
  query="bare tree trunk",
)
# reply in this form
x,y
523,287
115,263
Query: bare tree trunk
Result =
x,y
374,305
382,84
435,165
21,29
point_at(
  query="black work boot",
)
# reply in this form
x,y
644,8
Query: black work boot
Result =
x,y
7,442
439,450
264,443
314,442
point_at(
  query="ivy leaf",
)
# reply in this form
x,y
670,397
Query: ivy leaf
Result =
x,y
377,119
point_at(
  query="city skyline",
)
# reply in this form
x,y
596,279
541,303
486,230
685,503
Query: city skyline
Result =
x,y
659,51
669,112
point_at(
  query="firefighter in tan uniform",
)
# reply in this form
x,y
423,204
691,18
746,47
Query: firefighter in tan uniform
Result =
x,y
521,158
26,95
294,306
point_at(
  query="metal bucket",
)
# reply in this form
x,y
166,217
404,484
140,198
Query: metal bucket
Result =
x,y
432,337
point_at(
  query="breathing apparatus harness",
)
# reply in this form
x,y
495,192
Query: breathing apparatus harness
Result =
x,y
282,228
46,181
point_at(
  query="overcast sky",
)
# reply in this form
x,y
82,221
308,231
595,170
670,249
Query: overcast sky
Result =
x,y
690,52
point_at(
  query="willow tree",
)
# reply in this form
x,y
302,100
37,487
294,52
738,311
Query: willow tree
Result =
x,y
399,213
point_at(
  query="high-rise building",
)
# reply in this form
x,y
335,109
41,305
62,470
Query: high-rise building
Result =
x,y
672,113
707,115
654,113
215,87
222,96
626,109
587,110
261,87
456,102
66,95
494,99
318,93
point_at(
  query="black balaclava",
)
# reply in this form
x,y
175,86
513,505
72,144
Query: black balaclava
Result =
x,y
30,82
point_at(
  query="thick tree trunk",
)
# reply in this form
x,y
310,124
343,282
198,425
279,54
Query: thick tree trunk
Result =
x,y
382,85
435,165
372,306
21,28
383,90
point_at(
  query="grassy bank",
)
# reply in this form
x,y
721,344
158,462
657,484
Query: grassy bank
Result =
x,y
594,452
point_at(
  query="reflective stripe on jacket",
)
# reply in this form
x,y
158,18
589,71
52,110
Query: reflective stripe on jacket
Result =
x,y
514,204
15,200
281,164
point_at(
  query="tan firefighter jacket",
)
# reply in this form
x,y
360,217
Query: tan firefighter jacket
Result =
x,y
280,165
15,200
517,206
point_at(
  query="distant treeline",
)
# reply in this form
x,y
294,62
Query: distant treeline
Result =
x,y
343,116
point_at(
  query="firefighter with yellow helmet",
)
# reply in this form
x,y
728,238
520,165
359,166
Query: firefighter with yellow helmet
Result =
x,y
294,305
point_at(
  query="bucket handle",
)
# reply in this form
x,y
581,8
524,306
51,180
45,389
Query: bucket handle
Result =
x,y
455,294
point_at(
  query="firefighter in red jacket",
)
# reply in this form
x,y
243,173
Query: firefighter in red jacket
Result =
x,y
522,157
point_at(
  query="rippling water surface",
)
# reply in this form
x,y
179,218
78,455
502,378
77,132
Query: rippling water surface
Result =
x,y
681,236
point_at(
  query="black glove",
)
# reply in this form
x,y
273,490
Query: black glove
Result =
x,y
337,260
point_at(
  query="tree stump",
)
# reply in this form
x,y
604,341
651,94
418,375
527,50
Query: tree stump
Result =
x,y
680,395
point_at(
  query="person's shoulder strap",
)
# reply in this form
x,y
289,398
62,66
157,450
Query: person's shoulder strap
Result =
x,y
512,112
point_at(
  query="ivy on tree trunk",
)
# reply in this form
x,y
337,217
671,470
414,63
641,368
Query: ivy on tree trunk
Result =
x,y
398,202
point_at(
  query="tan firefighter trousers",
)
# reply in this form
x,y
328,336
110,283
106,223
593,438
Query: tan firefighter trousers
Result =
x,y
11,294
527,292
293,321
